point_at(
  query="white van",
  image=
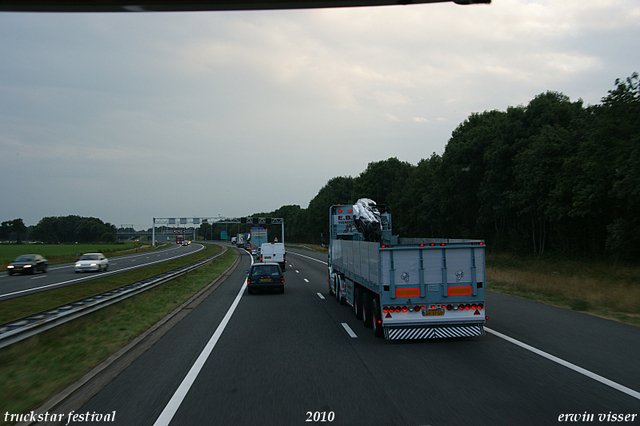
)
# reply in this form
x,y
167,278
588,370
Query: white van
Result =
x,y
273,252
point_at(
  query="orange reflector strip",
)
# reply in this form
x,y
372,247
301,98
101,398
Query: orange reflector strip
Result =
x,y
409,292
459,291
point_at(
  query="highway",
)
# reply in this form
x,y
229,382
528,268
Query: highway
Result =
x,y
287,359
63,274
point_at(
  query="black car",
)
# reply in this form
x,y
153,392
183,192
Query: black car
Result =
x,y
265,276
29,263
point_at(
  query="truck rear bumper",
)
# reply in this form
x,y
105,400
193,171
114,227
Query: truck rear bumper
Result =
x,y
433,332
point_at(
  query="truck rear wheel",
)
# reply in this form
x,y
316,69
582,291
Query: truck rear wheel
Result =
x,y
366,309
357,302
377,319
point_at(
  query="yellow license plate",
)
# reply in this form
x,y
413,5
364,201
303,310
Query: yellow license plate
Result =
x,y
429,313
267,257
265,279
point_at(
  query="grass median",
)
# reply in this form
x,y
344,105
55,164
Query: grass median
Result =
x,y
38,367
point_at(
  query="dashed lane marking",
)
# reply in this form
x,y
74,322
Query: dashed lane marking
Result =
x,y
349,330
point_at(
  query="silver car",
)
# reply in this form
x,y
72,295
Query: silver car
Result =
x,y
92,262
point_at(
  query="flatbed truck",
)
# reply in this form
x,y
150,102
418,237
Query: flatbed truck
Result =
x,y
406,288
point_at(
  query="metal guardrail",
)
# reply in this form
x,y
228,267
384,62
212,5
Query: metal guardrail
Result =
x,y
31,325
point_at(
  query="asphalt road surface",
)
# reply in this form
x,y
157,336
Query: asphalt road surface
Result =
x,y
63,274
288,359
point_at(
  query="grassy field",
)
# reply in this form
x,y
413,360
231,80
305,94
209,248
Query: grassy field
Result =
x,y
66,253
38,367
593,287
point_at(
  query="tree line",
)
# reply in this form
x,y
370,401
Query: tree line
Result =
x,y
62,229
553,176
13,230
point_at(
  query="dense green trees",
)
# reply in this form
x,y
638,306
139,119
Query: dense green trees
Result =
x,y
551,176
13,229
69,229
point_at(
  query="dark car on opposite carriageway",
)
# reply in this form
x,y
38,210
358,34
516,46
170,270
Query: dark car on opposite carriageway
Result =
x,y
27,263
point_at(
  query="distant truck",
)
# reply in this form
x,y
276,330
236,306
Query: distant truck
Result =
x,y
273,252
240,240
405,288
233,240
179,240
258,237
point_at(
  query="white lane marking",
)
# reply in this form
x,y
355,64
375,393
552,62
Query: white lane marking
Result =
x,y
176,400
297,272
306,280
123,258
349,330
311,258
567,364
562,362
102,275
320,295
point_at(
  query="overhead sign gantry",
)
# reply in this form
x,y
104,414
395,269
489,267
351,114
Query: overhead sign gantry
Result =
x,y
169,221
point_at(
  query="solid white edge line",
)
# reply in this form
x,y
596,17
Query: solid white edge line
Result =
x,y
562,362
310,258
349,330
320,295
176,400
567,364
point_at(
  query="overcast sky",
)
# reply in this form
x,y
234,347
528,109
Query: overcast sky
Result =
x,y
130,116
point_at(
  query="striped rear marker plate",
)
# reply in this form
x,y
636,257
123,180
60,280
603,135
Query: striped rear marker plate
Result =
x,y
419,333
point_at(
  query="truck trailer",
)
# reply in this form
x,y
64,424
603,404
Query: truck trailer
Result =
x,y
258,237
405,288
